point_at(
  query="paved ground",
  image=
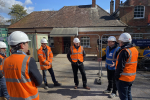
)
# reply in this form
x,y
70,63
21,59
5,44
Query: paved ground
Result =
x,y
63,73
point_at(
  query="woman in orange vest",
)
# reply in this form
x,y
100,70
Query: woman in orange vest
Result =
x,y
45,56
126,66
76,56
3,89
20,70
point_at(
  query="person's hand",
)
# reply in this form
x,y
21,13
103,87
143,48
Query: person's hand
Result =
x,y
99,59
112,64
50,63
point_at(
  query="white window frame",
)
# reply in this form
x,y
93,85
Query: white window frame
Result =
x,y
137,36
139,12
85,40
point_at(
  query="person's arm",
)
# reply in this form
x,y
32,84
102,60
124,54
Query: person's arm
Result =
x,y
41,58
34,72
121,63
68,55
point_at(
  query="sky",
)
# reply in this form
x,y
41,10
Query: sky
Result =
x,y
47,5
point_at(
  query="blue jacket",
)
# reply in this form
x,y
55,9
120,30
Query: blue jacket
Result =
x,y
111,57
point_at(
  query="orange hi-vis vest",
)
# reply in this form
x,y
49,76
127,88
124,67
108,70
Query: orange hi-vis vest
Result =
x,y
19,84
76,54
129,72
44,63
1,57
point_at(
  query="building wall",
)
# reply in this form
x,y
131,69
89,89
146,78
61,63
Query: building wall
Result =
x,y
58,42
127,16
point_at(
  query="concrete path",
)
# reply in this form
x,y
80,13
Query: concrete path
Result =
x,y
63,72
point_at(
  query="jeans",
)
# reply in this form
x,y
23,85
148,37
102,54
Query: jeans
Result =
x,y
51,73
111,81
124,90
3,88
75,68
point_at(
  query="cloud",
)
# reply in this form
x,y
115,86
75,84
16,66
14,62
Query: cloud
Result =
x,y
9,3
108,10
45,9
29,9
27,2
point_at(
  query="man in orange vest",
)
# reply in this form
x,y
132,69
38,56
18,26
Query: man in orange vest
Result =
x,y
45,56
3,88
20,71
76,56
126,66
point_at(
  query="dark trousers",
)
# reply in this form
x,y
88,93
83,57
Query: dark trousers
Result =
x,y
3,88
51,73
111,81
124,90
75,68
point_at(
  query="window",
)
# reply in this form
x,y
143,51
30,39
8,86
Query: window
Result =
x,y
51,41
85,41
139,12
137,36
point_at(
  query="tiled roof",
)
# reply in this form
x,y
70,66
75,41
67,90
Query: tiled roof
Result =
x,y
69,16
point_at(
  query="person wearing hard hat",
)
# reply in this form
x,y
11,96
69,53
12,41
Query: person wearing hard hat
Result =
x,y
110,57
76,56
3,88
126,66
21,72
45,56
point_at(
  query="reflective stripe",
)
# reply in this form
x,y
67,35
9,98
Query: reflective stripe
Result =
x,y
77,53
130,56
44,61
109,64
74,59
40,54
131,62
29,98
50,52
128,74
3,66
110,59
23,68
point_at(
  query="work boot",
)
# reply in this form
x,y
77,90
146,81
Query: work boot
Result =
x,y
112,95
75,87
106,91
46,86
88,88
57,84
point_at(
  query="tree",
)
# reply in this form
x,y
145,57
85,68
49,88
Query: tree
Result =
x,y
2,21
17,12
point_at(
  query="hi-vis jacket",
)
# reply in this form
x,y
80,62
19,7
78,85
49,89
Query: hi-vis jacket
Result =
x,y
77,54
111,57
129,72
1,57
19,84
44,63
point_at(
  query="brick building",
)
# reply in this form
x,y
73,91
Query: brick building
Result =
x,y
70,21
136,14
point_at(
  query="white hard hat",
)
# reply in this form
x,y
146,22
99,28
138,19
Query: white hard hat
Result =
x,y
76,40
111,38
3,45
44,40
17,37
125,37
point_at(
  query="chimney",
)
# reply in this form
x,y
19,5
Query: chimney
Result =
x,y
117,3
111,6
93,3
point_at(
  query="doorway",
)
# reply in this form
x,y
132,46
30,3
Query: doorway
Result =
x,y
66,44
